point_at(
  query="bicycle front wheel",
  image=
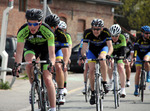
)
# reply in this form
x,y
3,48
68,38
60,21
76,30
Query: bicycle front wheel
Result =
x,y
99,101
142,85
36,99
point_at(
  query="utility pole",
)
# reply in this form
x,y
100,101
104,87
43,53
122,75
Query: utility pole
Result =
x,y
3,53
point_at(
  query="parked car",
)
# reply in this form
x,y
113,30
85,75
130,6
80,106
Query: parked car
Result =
x,y
11,44
74,67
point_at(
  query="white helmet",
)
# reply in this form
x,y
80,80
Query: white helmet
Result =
x,y
62,25
115,30
127,36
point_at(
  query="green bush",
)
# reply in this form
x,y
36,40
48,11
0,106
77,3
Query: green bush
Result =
x,y
4,85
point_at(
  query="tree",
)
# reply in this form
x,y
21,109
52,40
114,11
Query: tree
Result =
x,y
136,13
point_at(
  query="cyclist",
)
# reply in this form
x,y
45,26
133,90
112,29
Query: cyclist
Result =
x,y
119,44
63,26
100,47
129,55
61,50
80,62
141,52
37,40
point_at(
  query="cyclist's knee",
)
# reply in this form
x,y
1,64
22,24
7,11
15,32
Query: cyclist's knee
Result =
x,y
58,67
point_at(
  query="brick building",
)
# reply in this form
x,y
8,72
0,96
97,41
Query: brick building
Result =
x,y
77,14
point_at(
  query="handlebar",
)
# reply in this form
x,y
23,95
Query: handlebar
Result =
x,y
96,60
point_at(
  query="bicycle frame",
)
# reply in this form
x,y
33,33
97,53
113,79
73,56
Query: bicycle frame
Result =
x,y
98,85
38,87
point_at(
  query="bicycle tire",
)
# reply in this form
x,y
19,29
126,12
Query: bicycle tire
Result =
x,y
36,98
57,103
99,104
44,99
118,94
142,85
115,93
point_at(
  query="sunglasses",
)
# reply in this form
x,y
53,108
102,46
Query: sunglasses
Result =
x,y
114,35
96,29
34,24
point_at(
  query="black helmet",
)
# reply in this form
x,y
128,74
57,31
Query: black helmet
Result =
x,y
97,23
34,14
52,20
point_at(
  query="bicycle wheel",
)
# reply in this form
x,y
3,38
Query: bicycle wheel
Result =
x,y
115,92
142,85
36,98
99,104
57,103
118,89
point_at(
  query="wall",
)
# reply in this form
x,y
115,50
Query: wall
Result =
x,y
71,10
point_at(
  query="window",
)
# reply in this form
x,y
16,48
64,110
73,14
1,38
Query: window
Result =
x,y
63,19
80,29
23,5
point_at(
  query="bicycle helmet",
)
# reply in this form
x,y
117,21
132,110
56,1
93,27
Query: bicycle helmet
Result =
x,y
34,14
52,20
62,25
97,23
115,29
127,36
145,28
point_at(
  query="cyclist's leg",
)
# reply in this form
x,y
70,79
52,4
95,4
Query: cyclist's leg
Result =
x,y
128,72
137,75
47,76
60,77
103,69
50,88
102,55
86,67
122,75
91,75
147,58
59,71
110,75
29,56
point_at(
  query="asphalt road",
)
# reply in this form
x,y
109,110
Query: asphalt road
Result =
x,y
17,98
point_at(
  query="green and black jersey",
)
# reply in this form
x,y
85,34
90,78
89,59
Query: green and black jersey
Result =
x,y
119,46
44,35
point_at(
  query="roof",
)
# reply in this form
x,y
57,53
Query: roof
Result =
x,y
106,2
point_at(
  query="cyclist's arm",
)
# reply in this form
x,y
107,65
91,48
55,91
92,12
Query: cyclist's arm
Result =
x,y
70,49
110,47
19,52
70,44
51,46
84,48
52,56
